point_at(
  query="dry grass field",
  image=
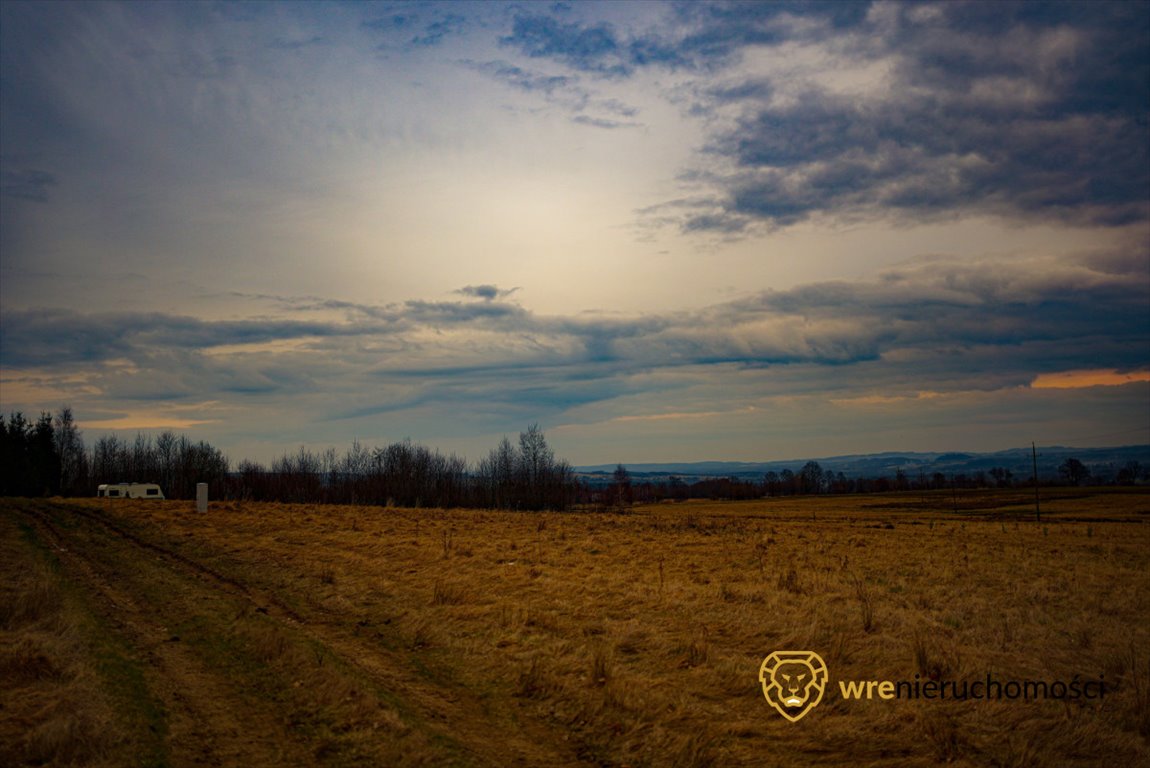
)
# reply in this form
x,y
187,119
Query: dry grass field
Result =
x,y
141,633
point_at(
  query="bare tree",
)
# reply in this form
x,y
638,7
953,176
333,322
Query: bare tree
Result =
x,y
811,477
621,495
1130,473
1074,471
70,448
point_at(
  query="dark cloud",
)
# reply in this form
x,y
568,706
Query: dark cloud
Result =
x,y
935,305
434,33
597,49
602,122
591,48
926,158
389,23
519,78
993,109
704,36
1036,111
617,107
721,222
1010,315
563,90
1086,58
487,292
716,33
425,27
53,337
435,313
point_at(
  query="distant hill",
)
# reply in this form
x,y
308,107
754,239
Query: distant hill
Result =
x,y
1102,462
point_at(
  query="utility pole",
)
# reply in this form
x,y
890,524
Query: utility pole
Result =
x,y
1037,509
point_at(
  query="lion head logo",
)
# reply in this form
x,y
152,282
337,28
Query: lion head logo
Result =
x,y
793,682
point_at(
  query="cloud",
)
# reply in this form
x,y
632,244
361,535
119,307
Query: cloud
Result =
x,y
1023,115
925,159
698,37
435,32
389,23
1087,378
1036,112
938,323
486,292
565,91
53,337
423,27
588,48
603,122
522,79
138,421
956,330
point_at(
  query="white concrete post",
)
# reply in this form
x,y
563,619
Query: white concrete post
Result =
x,y
201,497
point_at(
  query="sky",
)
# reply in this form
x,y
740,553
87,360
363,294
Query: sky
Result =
x,y
661,231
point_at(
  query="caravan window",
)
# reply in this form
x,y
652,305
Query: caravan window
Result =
x,y
153,491
113,492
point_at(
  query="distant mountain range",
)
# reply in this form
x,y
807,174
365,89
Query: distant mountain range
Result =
x,y
1102,462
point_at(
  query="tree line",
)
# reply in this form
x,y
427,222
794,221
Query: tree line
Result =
x,y
48,457
621,489
525,477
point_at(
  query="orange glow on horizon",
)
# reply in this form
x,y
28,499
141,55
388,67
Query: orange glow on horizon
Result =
x,y
1087,378
145,422
168,418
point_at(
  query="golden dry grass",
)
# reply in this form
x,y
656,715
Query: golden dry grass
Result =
x,y
55,710
636,639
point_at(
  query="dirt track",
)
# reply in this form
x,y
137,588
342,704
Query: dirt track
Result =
x,y
243,679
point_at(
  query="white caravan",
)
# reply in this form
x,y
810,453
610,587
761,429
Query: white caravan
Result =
x,y
130,491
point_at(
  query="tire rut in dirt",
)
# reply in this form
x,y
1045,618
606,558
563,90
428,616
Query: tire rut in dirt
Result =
x,y
200,698
200,703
